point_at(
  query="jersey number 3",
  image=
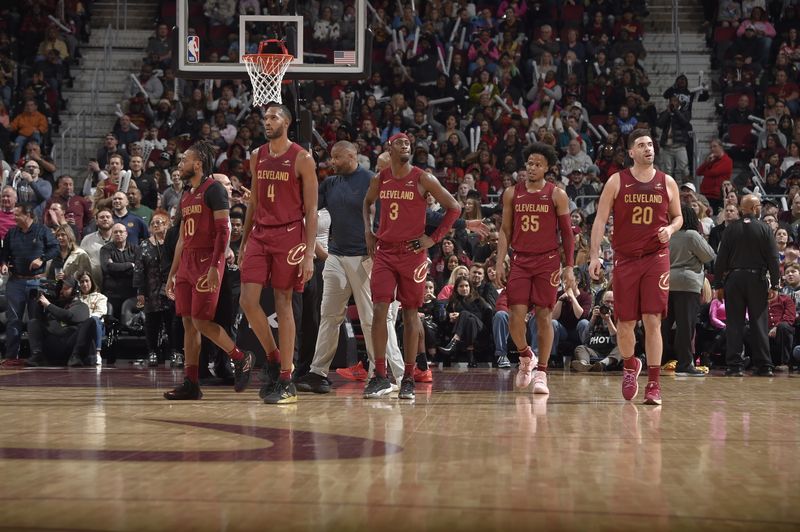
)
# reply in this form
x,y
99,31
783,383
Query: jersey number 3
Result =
x,y
642,215
394,210
529,222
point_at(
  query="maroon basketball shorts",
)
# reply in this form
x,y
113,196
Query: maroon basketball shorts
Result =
x,y
193,298
641,285
396,270
534,279
273,255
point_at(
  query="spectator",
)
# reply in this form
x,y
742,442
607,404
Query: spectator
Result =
x,y
576,160
29,125
117,260
757,28
570,315
31,190
136,207
716,169
459,271
740,113
730,214
467,313
675,127
150,279
151,84
25,251
53,328
688,253
92,242
782,315
78,210
98,308
125,133
110,147
598,350
770,128
481,285
135,226
8,200
159,49
33,152
70,258
171,197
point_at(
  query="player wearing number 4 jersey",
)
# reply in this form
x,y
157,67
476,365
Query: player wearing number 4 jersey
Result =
x,y
277,248
194,278
534,214
647,211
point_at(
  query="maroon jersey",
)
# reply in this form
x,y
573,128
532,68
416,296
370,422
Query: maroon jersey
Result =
x,y
402,206
535,220
640,210
198,218
280,189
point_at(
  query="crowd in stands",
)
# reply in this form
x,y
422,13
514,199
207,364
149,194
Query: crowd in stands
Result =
x,y
571,74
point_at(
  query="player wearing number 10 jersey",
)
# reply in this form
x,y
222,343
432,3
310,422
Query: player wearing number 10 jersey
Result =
x,y
194,278
647,211
277,248
534,213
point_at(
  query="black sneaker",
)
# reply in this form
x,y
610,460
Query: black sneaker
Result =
x,y
241,371
376,387
36,360
311,382
407,388
152,360
691,371
734,371
188,391
764,371
75,361
503,362
270,372
283,393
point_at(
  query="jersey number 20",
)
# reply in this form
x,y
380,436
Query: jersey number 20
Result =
x,y
642,215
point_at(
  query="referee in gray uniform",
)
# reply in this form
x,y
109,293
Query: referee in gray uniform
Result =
x,y
746,255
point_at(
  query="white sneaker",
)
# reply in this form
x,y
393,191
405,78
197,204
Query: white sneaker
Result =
x,y
523,378
98,360
540,382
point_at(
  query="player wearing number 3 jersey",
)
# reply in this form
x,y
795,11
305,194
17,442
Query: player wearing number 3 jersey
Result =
x,y
277,248
647,211
537,225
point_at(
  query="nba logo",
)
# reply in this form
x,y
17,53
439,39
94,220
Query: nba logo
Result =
x,y
192,49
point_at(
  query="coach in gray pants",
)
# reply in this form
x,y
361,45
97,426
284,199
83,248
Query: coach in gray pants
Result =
x,y
346,270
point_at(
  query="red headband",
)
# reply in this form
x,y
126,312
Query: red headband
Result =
x,y
398,136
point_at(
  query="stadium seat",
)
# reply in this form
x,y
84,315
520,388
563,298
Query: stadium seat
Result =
x,y
731,100
722,35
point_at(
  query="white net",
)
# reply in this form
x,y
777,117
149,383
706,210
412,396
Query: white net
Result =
x,y
266,73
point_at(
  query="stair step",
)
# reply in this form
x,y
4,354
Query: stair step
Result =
x,y
132,38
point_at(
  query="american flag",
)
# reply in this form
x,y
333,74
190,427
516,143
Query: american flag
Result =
x,y
344,58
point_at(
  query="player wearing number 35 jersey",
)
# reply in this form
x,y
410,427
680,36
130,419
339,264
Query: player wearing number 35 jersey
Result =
x,y
537,225
647,211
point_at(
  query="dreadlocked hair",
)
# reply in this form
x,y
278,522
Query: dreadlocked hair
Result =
x,y
205,151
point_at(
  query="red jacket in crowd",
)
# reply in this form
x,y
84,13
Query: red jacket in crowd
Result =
x,y
781,310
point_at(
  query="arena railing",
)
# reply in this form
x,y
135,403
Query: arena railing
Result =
x,y
676,32
122,13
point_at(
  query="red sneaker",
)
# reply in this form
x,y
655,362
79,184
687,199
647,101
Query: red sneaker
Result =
x,y
353,373
652,394
423,376
630,386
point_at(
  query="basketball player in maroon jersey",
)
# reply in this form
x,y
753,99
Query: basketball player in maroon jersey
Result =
x,y
280,225
535,214
400,259
647,211
194,278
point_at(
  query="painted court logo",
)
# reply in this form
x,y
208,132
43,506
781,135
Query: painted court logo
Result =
x,y
421,272
296,254
663,281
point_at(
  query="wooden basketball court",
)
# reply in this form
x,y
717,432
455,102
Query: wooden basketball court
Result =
x,y
101,450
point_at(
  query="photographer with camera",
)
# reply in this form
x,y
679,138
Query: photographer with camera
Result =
x,y
599,348
25,252
54,326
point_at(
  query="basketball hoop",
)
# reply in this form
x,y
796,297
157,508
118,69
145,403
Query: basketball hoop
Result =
x,y
266,71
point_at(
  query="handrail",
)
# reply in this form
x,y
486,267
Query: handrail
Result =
x,y
676,32
62,147
121,14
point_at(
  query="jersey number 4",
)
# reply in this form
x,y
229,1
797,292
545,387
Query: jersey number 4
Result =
x,y
529,222
271,192
642,215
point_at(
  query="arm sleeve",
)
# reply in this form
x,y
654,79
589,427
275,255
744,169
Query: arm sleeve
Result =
x,y
216,197
567,239
444,226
